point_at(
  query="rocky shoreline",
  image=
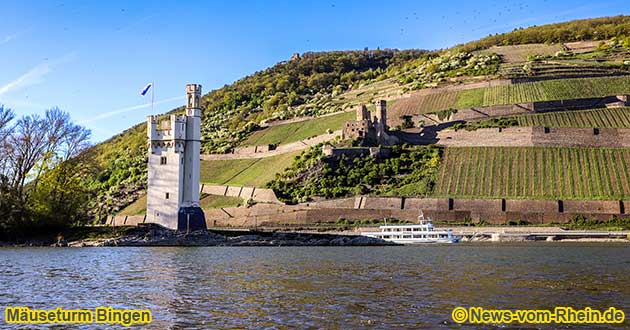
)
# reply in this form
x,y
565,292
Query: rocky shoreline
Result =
x,y
158,236
154,235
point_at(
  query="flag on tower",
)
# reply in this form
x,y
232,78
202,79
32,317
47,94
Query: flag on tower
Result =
x,y
146,89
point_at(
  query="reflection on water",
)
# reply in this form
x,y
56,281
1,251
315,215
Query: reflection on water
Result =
x,y
318,287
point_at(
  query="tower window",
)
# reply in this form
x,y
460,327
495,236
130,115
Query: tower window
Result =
x,y
167,195
163,160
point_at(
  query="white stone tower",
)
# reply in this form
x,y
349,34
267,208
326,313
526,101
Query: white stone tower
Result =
x,y
173,167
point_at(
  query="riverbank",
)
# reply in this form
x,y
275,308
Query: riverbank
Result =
x,y
153,235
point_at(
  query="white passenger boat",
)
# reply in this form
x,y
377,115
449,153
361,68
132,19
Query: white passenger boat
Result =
x,y
422,232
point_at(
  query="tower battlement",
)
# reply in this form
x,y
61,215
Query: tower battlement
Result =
x,y
173,128
193,98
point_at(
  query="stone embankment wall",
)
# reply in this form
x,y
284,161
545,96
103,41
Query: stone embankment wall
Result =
x,y
246,193
266,151
577,137
535,136
495,211
491,210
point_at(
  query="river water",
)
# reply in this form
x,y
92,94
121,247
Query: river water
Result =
x,y
408,287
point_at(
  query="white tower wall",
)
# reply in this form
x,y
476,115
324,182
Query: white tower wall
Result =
x,y
174,167
193,146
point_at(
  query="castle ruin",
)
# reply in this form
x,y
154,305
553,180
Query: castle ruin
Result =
x,y
174,167
371,128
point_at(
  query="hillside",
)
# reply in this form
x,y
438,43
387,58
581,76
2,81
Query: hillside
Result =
x,y
535,64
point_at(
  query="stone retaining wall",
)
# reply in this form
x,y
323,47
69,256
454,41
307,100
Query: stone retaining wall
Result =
x,y
581,137
495,111
257,194
487,137
495,211
536,136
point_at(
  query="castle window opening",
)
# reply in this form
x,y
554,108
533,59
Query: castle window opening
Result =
x,y
163,160
167,196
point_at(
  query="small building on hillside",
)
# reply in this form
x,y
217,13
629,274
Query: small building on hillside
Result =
x,y
369,128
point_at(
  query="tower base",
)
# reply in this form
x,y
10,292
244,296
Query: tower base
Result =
x,y
191,219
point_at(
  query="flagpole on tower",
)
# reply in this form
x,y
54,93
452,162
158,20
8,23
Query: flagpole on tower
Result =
x,y
152,96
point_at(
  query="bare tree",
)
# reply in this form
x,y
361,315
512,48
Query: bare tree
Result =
x,y
37,144
6,116
27,145
64,141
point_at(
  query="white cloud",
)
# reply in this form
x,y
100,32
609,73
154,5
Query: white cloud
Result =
x,y
34,76
129,109
9,38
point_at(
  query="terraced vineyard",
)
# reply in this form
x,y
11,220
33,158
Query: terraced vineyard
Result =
x,y
613,118
573,68
520,53
547,90
512,94
535,172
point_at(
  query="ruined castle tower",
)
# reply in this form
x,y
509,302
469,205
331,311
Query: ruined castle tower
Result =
x,y
380,121
381,112
362,113
173,167
369,126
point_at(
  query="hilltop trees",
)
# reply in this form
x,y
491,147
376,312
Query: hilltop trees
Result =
x,y
602,28
289,89
39,163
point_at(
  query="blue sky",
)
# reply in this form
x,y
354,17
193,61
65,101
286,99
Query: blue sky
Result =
x,y
92,58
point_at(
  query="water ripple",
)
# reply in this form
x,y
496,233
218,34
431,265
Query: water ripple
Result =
x,y
314,288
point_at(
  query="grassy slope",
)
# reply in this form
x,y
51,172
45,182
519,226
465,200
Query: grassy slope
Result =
x,y
244,172
139,207
214,202
292,132
535,172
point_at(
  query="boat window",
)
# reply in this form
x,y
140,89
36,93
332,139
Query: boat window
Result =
x,y
406,236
